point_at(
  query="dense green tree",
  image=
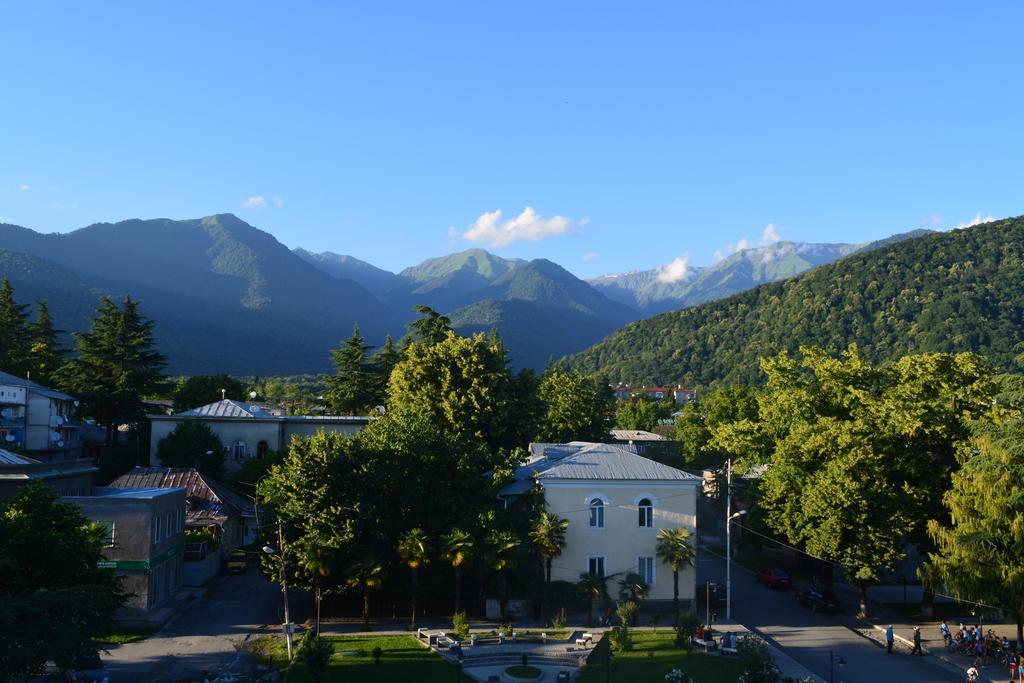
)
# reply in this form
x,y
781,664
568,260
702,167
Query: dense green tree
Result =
x,y
53,599
675,548
548,537
457,548
980,546
351,389
432,328
115,367
412,550
199,390
460,383
46,355
576,407
859,455
192,444
720,406
638,413
15,341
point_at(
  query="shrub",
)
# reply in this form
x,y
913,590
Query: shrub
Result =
x,y
460,626
758,665
621,636
686,626
315,653
677,676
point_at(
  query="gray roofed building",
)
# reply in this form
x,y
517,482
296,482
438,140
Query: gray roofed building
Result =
x,y
63,477
7,378
227,408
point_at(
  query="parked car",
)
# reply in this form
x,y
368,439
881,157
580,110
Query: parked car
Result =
x,y
238,562
818,599
775,578
711,592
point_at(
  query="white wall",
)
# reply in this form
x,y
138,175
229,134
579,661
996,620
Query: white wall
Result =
x,y
622,540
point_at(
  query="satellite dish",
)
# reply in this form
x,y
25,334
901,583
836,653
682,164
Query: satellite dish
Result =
x,y
76,402
6,412
252,395
9,438
380,409
60,444
54,436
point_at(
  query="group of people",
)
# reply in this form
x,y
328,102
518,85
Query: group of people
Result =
x,y
728,639
890,638
972,640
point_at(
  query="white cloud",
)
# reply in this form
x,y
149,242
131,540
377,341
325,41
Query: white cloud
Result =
x,y
977,220
589,256
6,219
24,188
278,202
255,202
744,243
489,229
770,234
676,270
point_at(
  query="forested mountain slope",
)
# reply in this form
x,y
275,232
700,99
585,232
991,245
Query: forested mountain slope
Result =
x,y
955,291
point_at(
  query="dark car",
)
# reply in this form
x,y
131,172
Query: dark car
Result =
x,y
713,593
775,578
819,600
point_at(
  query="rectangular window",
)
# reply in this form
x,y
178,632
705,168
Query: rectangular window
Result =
x,y
597,514
156,529
177,519
595,565
645,568
169,524
108,538
646,516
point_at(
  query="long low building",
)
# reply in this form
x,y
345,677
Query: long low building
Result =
x,y
248,431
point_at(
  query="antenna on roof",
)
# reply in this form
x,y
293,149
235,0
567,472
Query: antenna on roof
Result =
x,y
222,392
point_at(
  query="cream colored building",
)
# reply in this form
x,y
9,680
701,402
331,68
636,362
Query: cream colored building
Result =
x,y
616,502
248,431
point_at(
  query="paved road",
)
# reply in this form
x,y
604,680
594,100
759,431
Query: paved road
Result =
x,y
203,638
809,638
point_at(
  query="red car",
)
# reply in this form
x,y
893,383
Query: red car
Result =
x,y
775,578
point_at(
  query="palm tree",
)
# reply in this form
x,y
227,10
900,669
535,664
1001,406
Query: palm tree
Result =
x,y
317,559
675,550
548,534
412,549
365,574
633,588
503,546
457,549
591,586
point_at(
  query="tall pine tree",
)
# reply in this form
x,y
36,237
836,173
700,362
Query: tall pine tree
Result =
x,y
351,389
116,366
384,362
46,355
14,335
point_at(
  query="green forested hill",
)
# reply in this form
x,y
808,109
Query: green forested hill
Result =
x,y
955,291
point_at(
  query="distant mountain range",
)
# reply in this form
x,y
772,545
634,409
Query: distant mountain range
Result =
x,y
228,297
947,292
679,285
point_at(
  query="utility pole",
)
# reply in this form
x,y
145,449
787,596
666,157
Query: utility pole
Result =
x,y
728,539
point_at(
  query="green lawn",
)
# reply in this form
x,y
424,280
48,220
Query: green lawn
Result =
x,y
654,656
402,659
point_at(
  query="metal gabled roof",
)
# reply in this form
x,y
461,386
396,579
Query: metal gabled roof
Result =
x,y
206,500
227,408
7,378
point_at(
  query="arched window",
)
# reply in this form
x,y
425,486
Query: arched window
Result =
x,y
261,449
597,513
646,510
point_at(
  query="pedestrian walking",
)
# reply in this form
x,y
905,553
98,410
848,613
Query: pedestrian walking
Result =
x,y
917,642
972,675
890,636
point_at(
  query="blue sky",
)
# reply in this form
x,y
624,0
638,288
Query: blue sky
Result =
x,y
636,132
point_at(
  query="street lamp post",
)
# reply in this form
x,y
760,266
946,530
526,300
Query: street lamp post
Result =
x,y
284,587
729,516
832,662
